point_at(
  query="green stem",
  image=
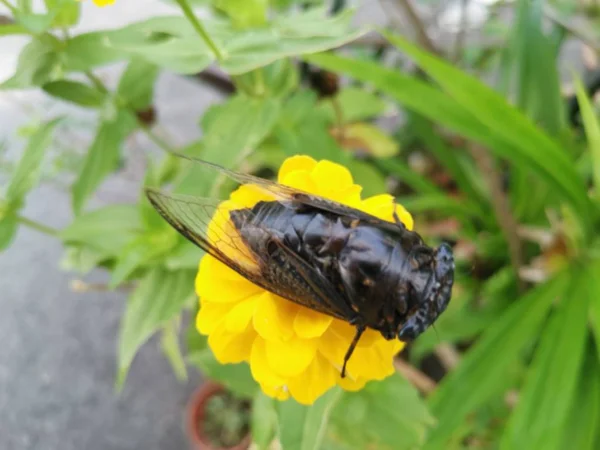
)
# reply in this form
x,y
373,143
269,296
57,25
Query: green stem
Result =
x,y
156,139
38,226
12,9
260,87
185,7
97,82
163,145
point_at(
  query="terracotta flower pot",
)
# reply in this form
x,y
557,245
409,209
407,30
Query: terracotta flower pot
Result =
x,y
196,412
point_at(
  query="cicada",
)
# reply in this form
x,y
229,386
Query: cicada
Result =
x,y
323,255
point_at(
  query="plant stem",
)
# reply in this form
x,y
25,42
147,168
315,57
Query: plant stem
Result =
x,y
97,82
156,139
417,378
185,7
12,9
260,87
460,36
38,226
418,25
486,165
160,143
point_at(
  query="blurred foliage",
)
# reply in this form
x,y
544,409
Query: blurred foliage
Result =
x,y
502,169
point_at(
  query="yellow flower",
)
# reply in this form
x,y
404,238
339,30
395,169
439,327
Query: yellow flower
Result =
x,y
102,3
292,350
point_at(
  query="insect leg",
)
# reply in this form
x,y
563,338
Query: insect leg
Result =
x,y
360,329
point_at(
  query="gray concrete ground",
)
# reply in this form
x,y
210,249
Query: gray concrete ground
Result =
x,y
57,347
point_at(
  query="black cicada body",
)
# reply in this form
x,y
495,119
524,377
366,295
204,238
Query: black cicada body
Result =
x,y
325,256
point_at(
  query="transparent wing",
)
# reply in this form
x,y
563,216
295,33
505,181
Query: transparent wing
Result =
x,y
206,223
286,193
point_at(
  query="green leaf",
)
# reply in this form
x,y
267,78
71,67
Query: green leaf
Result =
x,y
505,121
158,298
91,50
34,23
592,131
367,176
142,251
136,87
236,128
7,29
102,157
535,151
286,36
173,44
531,58
236,377
455,160
304,129
168,42
264,420
27,172
368,138
303,427
108,229
472,383
82,259
75,92
408,176
8,229
65,12
170,346
595,306
555,369
39,62
355,103
244,13
386,414
582,420
184,256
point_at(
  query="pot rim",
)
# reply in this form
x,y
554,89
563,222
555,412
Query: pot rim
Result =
x,y
195,416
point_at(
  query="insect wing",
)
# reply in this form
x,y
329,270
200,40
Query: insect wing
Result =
x,y
206,223
289,194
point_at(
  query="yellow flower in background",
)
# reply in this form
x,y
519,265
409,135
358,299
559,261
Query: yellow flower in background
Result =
x,y
292,350
102,3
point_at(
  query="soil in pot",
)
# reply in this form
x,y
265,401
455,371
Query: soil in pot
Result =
x,y
226,421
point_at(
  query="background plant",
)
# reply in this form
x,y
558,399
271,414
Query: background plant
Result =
x,y
508,171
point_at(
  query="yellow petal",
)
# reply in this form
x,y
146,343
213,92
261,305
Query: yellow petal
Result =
x,y
329,175
405,217
231,347
374,363
301,180
350,196
382,206
218,283
294,164
347,332
259,365
290,358
239,317
274,317
276,392
310,324
335,342
317,379
352,385
210,315
246,196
